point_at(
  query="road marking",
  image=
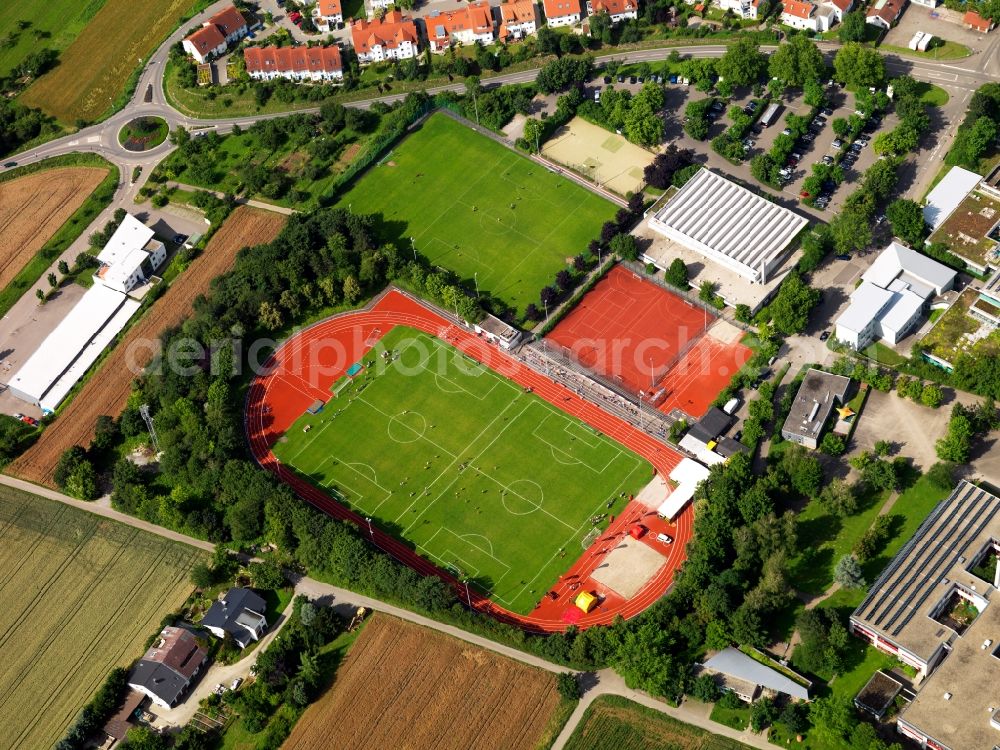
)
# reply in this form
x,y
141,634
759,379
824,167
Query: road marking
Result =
x,y
93,138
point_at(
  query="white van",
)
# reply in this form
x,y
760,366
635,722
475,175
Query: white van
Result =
x,y
731,406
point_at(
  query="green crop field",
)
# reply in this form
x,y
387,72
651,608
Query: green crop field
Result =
x,y
614,723
479,475
81,595
53,24
479,209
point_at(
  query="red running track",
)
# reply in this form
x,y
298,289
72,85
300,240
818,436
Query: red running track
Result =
x,y
305,367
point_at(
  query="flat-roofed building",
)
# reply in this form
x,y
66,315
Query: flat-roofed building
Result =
x,y
73,346
935,608
893,295
819,393
730,225
130,256
948,194
496,331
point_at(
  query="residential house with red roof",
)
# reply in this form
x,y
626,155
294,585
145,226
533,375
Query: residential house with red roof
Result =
x,y
392,37
166,670
562,12
885,13
976,22
216,35
328,15
294,63
618,10
468,25
518,19
807,15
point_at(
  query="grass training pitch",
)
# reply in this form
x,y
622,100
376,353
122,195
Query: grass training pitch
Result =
x,y
479,209
81,595
402,685
485,479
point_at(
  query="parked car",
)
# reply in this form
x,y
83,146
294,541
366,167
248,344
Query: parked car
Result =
x,y
180,239
824,336
843,256
809,137
597,95
731,405
236,683
607,80
632,79
621,78
294,16
837,143
827,159
665,538
827,111
9,164
786,131
673,79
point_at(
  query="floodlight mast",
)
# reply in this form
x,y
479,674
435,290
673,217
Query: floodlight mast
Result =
x,y
144,413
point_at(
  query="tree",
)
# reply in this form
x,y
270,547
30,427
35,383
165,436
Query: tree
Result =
x,y
145,738
859,66
63,267
677,274
706,292
266,574
832,445
533,132
850,230
907,220
705,689
202,576
804,470
569,686
838,497
796,62
795,716
763,712
848,573
931,396
743,64
853,27
956,445
792,305
40,294
624,246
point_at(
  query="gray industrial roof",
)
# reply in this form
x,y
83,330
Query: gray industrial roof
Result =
x,y
729,224
867,302
735,663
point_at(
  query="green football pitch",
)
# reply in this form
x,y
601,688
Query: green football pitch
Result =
x,y
479,209
483,478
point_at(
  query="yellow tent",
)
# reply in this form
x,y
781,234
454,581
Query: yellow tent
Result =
x,y
845,412
586,601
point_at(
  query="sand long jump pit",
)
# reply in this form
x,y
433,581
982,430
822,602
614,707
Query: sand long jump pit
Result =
x,y
628,567
606,158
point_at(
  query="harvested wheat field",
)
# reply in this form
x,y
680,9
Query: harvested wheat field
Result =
x,y
107,390
94,69
404,686
33,207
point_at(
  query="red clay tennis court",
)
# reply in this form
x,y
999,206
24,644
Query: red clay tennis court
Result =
x,y
649,340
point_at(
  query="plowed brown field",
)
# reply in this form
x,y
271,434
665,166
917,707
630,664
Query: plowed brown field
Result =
x,y
33,207
106,392
403,686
